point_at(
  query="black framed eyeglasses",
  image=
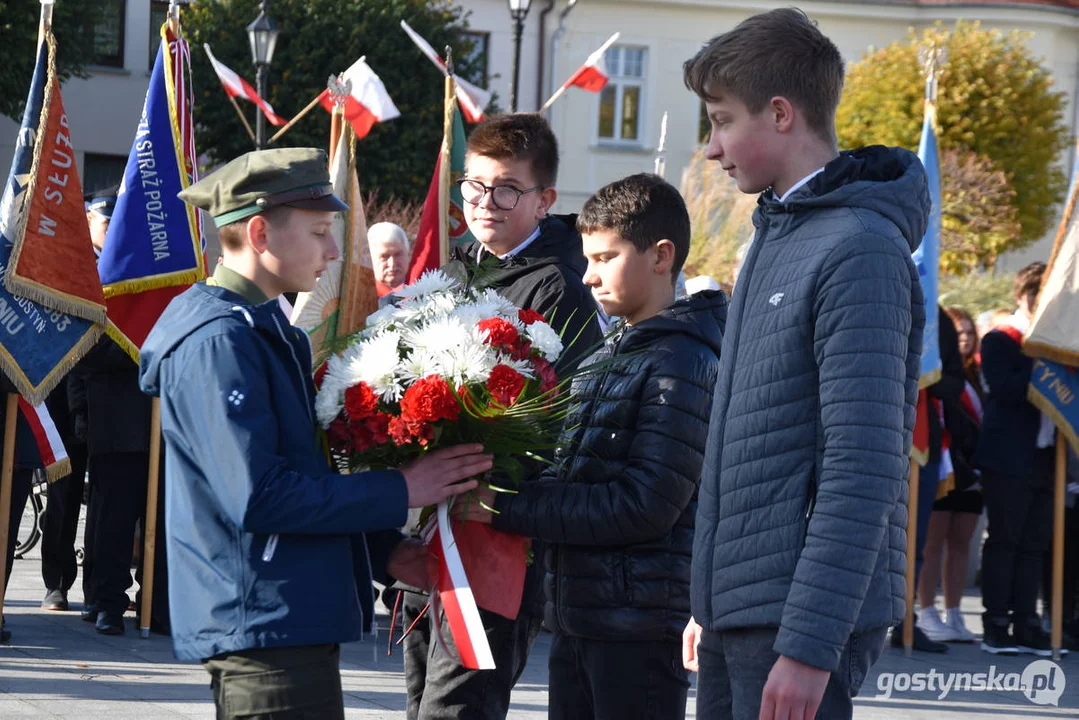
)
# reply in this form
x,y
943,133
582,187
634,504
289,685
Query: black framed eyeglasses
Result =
x,y
505,197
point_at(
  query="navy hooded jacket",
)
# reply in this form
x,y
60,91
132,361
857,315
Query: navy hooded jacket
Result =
x,y
258,526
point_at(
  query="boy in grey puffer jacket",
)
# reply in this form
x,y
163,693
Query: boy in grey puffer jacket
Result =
x,y
799,555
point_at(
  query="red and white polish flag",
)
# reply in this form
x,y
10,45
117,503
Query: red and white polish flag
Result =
x,y
236,86
53,454
368,102
472,99
593,75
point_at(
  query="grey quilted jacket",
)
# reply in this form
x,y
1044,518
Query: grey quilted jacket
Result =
x,y
801,522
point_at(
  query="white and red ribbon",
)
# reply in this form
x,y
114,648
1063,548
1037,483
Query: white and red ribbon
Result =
x,y
456,599
53,454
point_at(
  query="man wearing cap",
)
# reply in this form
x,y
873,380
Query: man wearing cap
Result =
x,y
59,527
261,533
112,415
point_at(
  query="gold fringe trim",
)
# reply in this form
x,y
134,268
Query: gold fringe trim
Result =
x,y
1051,352
51,299
924,381
922,458
57,470
36,395
153,282
123,341
1048,407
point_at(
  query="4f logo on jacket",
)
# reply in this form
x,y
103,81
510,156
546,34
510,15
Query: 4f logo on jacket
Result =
x,y
775,299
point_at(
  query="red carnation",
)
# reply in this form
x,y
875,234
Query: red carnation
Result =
x,y
337,434
521,350
546,374
360,402
429,400
505,385
500,333
530,316
379,427
320,375
404,431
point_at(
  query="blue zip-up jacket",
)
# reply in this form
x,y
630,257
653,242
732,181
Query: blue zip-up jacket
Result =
x,y
258,526
801,522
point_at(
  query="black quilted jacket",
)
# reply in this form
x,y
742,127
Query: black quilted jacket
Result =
x,y
618,506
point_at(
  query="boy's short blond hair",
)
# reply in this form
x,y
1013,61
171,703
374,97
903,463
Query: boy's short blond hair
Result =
x,y
777,53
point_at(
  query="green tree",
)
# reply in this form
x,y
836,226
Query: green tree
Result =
x,y
978,213
323,37
72,24
995,99
721,218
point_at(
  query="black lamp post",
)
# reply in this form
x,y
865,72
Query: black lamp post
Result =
x,y
262,34
518,12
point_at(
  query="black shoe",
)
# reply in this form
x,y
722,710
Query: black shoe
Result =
x,y
89,613
1032,640
5,634
922,643
55,600
110,623
998,641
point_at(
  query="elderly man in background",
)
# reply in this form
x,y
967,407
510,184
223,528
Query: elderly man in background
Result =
x,y
390,252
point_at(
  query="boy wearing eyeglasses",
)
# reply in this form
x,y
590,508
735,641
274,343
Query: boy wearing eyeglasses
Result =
x,y
534,259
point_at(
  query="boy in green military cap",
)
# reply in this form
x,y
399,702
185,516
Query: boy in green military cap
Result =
x,y
261,533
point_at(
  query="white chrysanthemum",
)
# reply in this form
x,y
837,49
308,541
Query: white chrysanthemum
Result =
x,y
328,404
545,340
431,281
471,313
503,307
417,365
381,318
438,335
522,366
375,361
466,363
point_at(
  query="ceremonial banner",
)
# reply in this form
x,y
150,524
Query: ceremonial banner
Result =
x,y
367,102
154,246
154,239
39,344
927,256
442,223
1053,336
345,294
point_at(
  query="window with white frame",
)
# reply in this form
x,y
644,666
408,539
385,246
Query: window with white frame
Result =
x,y
621,102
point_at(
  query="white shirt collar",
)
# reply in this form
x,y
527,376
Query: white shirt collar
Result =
x,y
799,184
528,241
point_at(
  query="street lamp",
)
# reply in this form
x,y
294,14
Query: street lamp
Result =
x,y
518,12
262,34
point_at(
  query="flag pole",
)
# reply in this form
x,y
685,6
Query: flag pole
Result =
x,y
149,527
46,20
299,116
8,467
1057,599
661,151
565,86
243,119
153,480
447,158
912,551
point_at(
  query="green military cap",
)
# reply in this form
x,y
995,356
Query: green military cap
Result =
x,y
263,179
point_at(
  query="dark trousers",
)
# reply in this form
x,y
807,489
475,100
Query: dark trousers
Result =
x,y
22,482
59,566
598,680
117,501
440,689
734,667
928,480
290,683
1020,530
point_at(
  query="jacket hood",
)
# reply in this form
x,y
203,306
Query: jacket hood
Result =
x,y
702,316
198,306
887,180
558,243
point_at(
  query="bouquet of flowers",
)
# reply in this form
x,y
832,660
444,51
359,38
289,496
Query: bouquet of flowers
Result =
x,y
450,364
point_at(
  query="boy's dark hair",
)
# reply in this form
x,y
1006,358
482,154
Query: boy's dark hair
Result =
x,y
777,53
234,235
642,209
1028,280
518,136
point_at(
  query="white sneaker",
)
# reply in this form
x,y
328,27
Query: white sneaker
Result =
x,y
955,622
930,623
